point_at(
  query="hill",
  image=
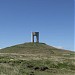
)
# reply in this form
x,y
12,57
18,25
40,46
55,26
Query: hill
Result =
x,y
34,48
36,59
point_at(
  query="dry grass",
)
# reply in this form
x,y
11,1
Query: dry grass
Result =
x,y
14,60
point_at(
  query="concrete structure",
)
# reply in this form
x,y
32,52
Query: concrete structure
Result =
x,y
37,36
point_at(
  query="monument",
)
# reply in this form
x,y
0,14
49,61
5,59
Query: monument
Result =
x,y
37,36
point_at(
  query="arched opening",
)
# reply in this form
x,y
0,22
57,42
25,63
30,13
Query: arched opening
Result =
x,y
35,36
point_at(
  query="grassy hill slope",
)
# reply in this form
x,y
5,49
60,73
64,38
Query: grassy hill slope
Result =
x,y
34,48
36,59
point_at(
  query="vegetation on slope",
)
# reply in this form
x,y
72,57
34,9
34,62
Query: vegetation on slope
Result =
x,y
34,67
36,59
34,48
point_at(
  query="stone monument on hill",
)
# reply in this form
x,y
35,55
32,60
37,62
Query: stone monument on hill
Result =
x,y
37,36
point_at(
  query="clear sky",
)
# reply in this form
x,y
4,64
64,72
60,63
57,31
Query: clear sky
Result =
x,y
54,19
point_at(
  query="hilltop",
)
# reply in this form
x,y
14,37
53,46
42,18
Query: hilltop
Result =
x,y
34,48
36,59
36,51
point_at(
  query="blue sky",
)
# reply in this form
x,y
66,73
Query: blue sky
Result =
x,y
54,19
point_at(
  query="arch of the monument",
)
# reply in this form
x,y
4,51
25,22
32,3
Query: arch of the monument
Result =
x,y
37,36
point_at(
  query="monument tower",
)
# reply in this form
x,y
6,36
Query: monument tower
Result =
x,y
37,36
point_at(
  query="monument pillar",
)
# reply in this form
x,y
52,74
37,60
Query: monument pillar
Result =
x,y
37,36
